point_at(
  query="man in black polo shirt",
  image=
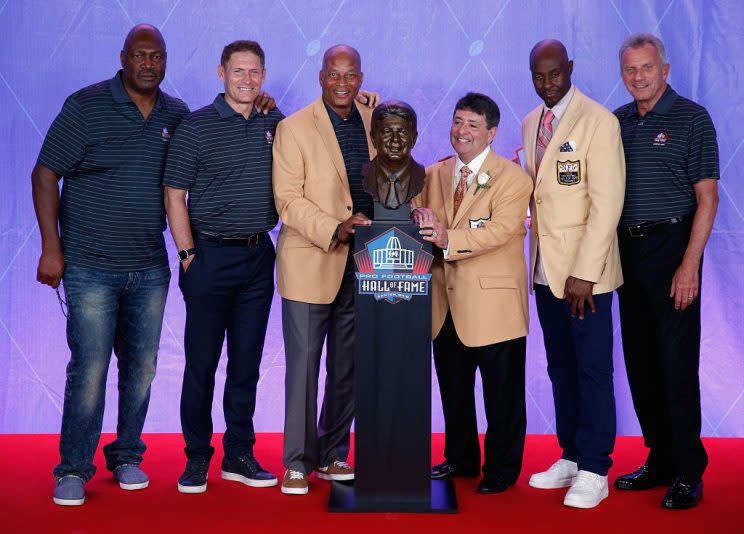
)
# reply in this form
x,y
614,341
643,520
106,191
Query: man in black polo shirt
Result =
x,y
109,142
221,156
671,198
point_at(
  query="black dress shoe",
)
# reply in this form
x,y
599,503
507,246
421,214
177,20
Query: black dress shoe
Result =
x,y
645,477
493,485
684,493
445,471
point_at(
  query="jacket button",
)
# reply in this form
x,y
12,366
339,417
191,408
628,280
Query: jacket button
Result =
x,y
538,201
449,289
348,208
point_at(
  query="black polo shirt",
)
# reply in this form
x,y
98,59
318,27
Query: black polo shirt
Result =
x,y
224,161
667,152
352,139
111,214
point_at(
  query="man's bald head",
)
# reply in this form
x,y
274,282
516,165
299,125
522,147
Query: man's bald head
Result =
x,y
551,71
551,47
342,49
143,59
142,30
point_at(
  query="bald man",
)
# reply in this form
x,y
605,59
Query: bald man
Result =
x,y
575,156
109,144
317,175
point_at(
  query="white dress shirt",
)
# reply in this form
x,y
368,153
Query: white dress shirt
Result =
x,y
558,110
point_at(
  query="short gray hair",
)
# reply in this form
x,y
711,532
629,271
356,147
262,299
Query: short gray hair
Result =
x,y
637,40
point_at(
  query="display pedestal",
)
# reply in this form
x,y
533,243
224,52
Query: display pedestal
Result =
x,y
392,377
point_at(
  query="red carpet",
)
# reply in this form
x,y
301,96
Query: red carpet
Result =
x,y
26,504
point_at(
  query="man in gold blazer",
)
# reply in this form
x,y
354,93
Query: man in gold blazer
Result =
x,y
574,153
318,155
473,208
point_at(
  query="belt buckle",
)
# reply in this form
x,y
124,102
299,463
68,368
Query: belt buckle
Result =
x,y
252,240
635,231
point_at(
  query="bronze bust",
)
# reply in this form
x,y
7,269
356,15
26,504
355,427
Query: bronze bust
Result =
x,y
393,177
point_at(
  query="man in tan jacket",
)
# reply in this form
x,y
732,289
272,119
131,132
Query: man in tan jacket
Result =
x,y
318,156
575,155
473,208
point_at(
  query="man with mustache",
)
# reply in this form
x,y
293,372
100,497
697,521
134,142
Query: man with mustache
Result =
x,y
575,155
104,241
319,153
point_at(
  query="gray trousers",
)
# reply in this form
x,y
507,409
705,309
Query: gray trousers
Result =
x,y
309,442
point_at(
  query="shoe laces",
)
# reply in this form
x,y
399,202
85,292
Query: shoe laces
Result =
x,y
341,464
584,480
560,465
296,475
196,465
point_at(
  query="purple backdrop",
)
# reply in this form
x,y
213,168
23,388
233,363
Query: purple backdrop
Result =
x,y
428,53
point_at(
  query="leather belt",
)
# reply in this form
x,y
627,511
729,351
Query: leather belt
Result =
x,y
647,227
248,241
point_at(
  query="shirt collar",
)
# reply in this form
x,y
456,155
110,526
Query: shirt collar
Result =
x,y
560,108
119,92
474,165
225,111
664,105
336,119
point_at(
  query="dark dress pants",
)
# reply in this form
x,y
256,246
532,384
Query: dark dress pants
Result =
x,y
579,354
662,350
502,373
227,289
310,442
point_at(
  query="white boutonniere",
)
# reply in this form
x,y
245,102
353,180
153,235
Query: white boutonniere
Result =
x,y
482,182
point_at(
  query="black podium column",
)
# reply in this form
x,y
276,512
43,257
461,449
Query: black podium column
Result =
x,y
392,377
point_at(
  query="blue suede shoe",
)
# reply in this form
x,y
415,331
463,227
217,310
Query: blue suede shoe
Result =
x,y
68,491
131,477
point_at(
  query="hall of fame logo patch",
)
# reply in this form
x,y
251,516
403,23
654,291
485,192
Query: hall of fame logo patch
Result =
x,y
393,266
661,139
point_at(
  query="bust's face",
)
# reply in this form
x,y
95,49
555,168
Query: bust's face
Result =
x,y
393,140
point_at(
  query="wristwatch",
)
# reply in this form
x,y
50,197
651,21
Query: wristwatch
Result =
x,y
186,253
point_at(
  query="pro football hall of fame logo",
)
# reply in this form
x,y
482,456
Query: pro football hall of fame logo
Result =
x,y
393,266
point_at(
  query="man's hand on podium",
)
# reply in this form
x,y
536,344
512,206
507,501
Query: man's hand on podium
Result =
x,y
346,228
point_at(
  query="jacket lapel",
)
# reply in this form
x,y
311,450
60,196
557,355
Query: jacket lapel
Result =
x,y
328,135
490,165
573,112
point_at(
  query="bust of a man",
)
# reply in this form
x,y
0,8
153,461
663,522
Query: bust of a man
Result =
x,y
393,178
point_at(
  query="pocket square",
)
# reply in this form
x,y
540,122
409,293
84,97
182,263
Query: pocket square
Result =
x,y
568,146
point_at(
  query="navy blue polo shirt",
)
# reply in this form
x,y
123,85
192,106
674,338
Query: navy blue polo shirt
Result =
x,y
224,161
352,139
667,152
111,213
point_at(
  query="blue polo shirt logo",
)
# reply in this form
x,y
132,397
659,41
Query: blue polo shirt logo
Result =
x,y
269,137
165,134
661,139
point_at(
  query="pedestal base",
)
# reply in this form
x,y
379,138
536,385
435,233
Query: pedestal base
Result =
x,y
443,500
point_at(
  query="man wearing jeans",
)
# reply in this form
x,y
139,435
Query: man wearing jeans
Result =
x,y
104,240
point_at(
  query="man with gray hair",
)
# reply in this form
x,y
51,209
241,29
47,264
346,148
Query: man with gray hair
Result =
x,y
671,198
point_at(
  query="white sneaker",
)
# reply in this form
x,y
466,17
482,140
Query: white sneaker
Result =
x,y
559,475
587,491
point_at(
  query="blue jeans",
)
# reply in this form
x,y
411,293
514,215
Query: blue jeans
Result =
x,y
109,310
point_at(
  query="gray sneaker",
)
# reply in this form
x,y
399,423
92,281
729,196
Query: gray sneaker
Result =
x,y
68,491
131,477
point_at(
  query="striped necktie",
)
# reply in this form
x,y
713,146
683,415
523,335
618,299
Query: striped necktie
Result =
x,y
462,186
543,138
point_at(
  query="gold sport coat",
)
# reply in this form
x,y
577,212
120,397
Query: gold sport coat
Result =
x,y
483,282
312,196
578,197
